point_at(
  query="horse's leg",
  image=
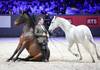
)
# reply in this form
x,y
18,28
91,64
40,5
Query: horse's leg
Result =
x,y
30,58
92,42
38,57
26,59
79,51
70,44
88,50
17,49
24,44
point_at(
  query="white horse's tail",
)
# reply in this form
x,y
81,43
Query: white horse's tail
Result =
x,y
90,38
89,35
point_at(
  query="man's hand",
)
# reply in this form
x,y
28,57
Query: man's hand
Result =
x,y
46,34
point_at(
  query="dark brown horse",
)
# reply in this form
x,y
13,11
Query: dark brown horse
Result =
x,y
28,41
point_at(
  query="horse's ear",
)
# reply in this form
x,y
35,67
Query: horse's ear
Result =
x,y
24,12
54,17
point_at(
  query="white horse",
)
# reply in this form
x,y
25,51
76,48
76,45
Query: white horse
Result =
x,y
75,34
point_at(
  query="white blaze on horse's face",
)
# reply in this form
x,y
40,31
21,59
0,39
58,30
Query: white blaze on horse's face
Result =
x,y
53,24
15,23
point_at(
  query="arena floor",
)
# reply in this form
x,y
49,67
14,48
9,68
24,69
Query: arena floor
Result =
x,y
60,59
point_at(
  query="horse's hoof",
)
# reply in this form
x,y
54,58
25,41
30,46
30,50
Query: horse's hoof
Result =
x,y
80,59
14,59
76,55
8,60
98,57
93,61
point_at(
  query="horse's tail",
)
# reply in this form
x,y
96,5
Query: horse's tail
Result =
x,y
91,40
89,35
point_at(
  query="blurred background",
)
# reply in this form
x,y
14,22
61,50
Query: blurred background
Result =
x,y
77,11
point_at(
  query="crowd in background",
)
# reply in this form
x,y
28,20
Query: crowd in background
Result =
x,y
54,7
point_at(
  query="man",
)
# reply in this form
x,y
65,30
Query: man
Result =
x,y
42,36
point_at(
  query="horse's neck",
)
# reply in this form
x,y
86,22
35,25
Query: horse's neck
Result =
x,y
27,28
66,29
30,24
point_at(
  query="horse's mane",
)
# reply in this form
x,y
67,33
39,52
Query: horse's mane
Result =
x,y
32,19
63,19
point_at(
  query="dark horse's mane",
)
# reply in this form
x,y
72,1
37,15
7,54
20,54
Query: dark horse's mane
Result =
x,y
32,19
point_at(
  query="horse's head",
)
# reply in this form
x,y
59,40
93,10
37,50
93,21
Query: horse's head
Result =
x,y
23,18
53,24
59,22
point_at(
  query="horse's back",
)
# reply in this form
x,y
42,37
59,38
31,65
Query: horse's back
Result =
x,y
83,28
81,32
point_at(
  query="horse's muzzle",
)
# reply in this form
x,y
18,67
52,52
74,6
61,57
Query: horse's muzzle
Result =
x,y
16,23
